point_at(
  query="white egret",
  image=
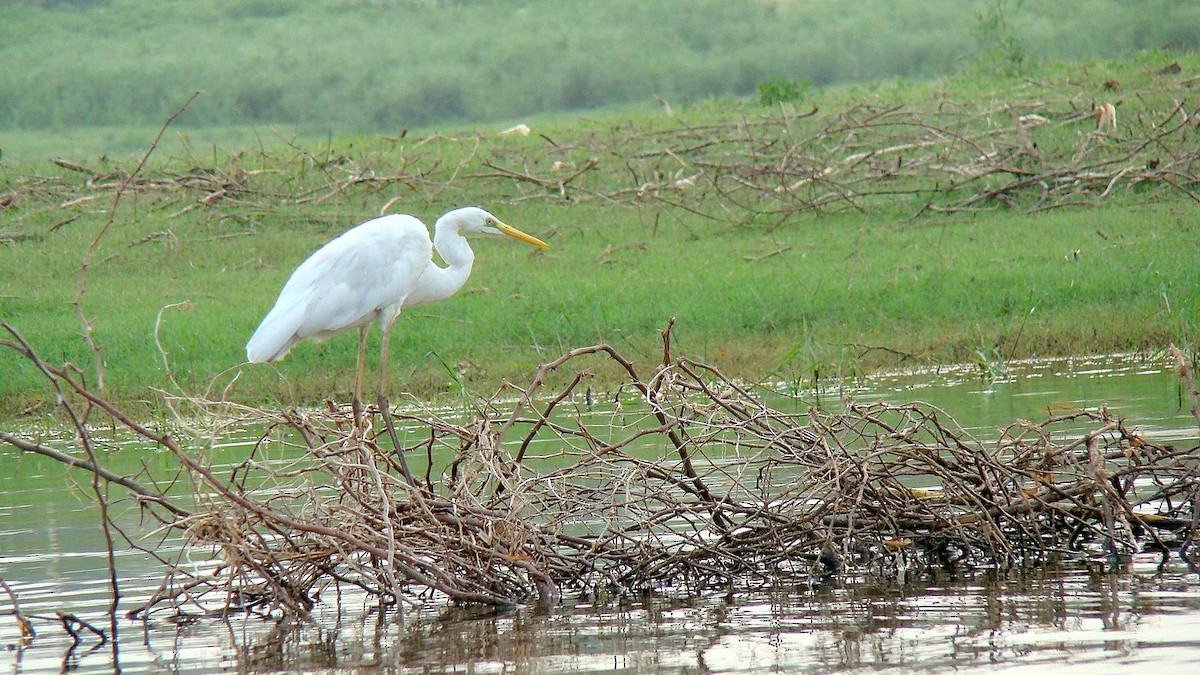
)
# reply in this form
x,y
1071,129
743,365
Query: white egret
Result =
x,y
369,273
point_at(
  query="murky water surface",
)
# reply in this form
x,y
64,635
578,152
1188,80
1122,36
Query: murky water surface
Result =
x,y
1142,618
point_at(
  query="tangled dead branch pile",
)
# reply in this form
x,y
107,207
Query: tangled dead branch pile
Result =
x,y
689,481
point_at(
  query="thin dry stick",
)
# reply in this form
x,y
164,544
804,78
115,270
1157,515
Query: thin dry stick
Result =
x,y
69,621
85,263
89,339
1184,370
23,623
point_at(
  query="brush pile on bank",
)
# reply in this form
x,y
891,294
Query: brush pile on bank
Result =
x,y
690,482
1076,141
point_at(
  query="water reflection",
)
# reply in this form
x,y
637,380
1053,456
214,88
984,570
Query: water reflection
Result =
x,y
1074,618
1032,618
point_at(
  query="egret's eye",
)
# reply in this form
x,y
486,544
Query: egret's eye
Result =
x,y
490,222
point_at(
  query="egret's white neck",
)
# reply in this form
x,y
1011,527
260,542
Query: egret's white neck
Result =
x,y
439,283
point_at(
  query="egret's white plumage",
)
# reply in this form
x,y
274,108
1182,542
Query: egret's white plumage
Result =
x,y
370,273
362,276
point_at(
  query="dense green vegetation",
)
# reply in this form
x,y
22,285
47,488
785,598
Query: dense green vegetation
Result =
x,y
387,65
892,224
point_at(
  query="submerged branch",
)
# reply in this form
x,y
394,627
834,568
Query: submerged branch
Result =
x,y
143,493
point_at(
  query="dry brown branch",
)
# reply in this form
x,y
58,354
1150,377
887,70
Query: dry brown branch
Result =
x,y
119,190
23,623
1183,369
70,621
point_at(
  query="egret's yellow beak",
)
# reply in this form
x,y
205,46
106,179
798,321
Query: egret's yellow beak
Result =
x,y
517,234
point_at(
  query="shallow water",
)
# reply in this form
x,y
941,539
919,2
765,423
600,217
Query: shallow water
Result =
x,y
1143,617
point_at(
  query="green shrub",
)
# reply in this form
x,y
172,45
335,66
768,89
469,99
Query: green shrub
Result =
x,y
1001,48
779,90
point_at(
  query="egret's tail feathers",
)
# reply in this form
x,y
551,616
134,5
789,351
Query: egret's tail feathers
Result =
x,y
272,340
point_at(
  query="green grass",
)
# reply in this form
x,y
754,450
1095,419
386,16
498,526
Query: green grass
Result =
x,y
756,289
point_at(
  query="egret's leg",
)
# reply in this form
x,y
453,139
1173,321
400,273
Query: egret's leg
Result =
x,y
382,402
356,403
383,359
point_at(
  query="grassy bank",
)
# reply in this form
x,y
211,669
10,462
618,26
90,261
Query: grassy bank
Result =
x,y
891,225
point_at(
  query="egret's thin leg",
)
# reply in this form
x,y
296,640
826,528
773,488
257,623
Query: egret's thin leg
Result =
x,y
386,412
384,409
383,359
356,403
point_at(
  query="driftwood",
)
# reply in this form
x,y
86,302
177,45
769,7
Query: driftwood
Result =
x,y
686,480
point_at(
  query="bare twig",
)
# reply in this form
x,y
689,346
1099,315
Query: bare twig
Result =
x,y
1183,368
85,263
23,623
